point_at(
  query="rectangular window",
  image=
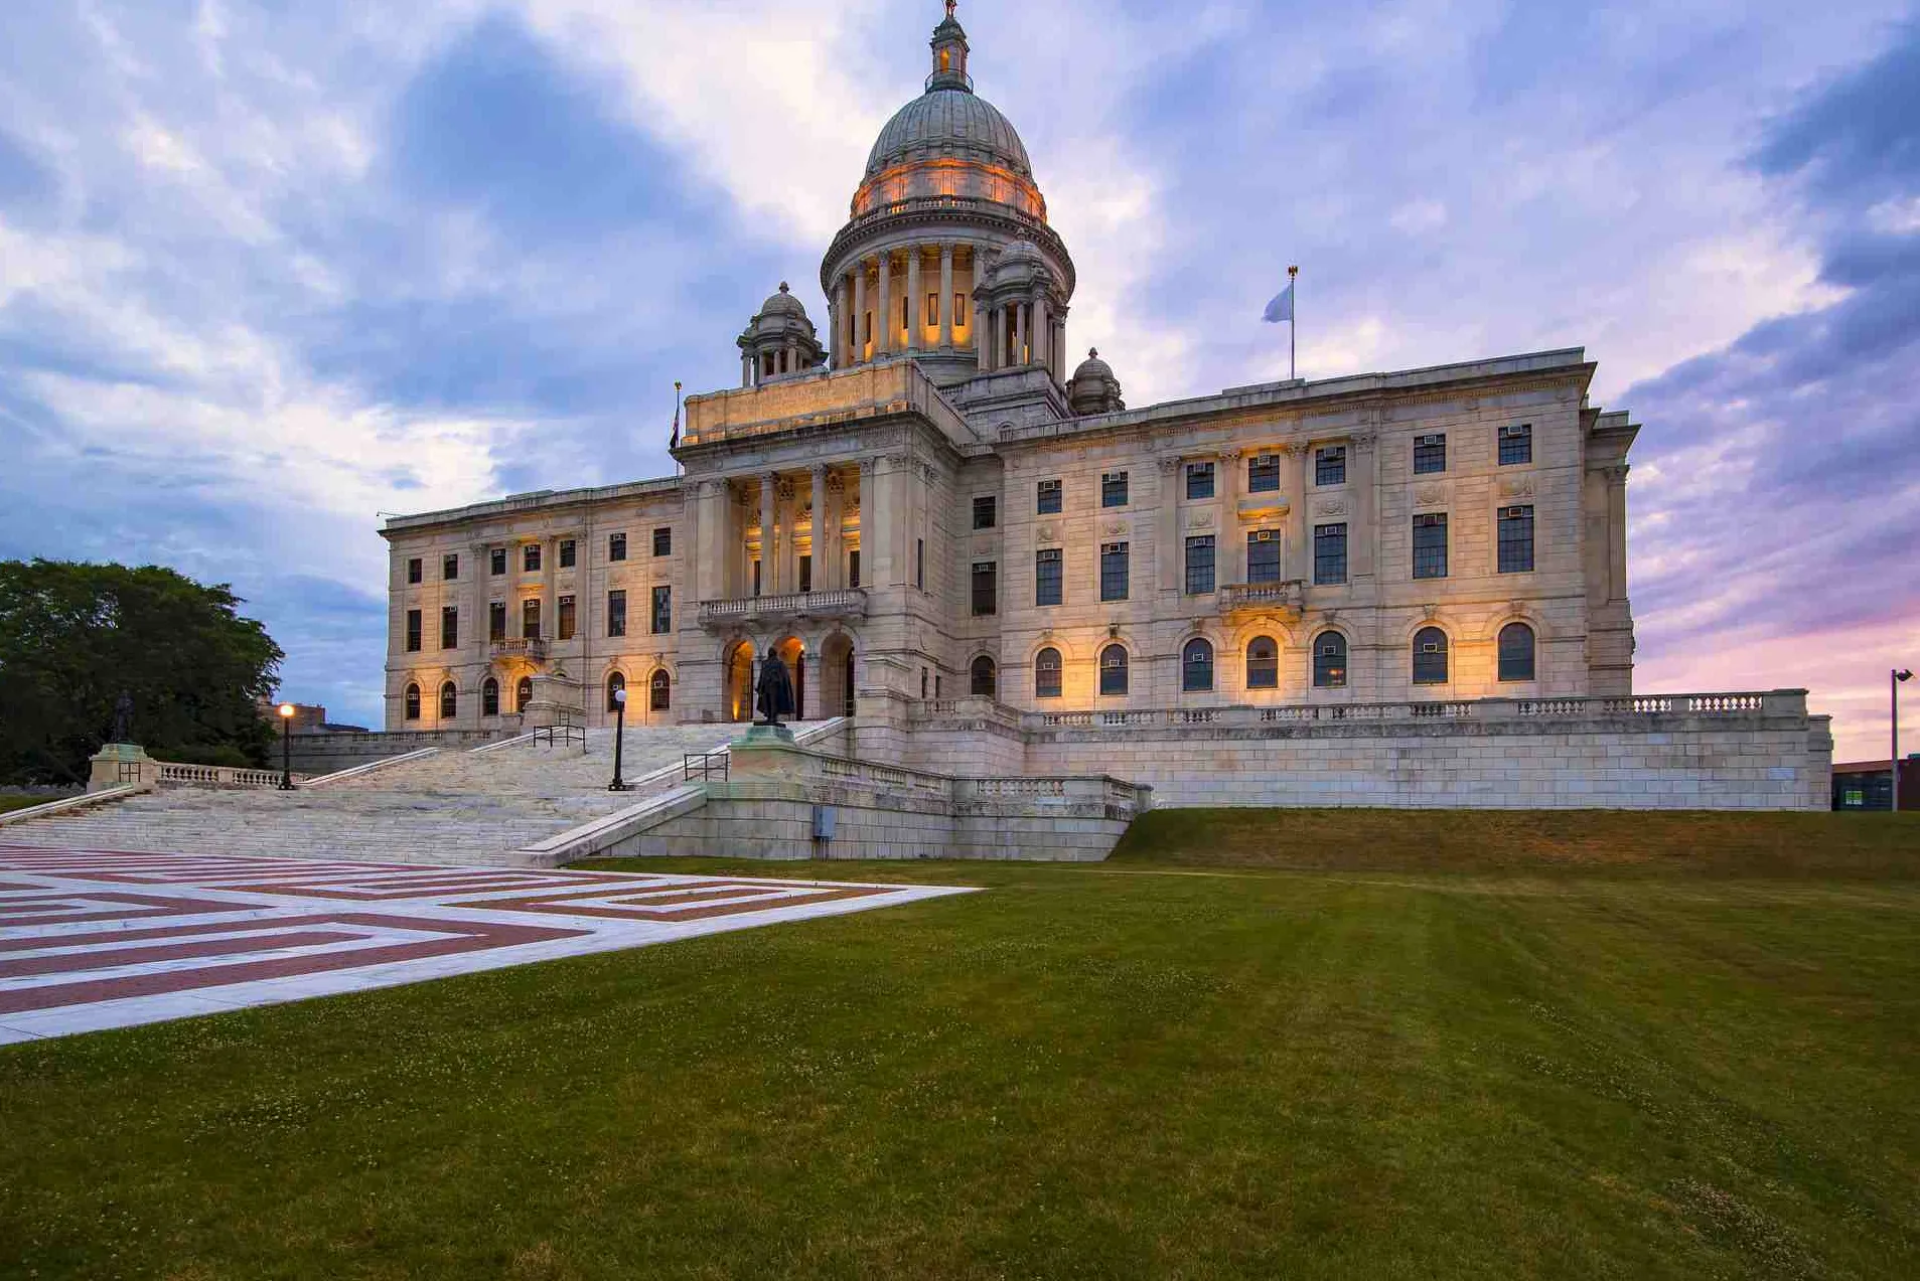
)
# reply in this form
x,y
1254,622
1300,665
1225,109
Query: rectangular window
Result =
x,y
1430,545
920,564
531,562
1199,481
568,553
960,309
450,627
986,511
568,614
1330,465
1516,444
449,567
662,610
1329,554
1047,501
933,309
1263,474
413,631
663,541
497,621
1113,489
1429,454
756,577
1049,584
1113,571
497,560
1200,565
1263,556
806,574
906,312
853,568
616,546
414,573
616,613
1516,540
986,588
530,619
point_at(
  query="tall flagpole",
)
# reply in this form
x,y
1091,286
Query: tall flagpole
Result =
x,y
1293,320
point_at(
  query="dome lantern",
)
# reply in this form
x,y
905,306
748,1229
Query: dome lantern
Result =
x,y
950,55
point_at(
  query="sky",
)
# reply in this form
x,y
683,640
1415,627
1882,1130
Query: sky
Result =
x,y
270,268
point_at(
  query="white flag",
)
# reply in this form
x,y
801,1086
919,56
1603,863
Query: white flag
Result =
x,y
1281,308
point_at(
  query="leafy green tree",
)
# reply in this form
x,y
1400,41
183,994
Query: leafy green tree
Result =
x,y
74,636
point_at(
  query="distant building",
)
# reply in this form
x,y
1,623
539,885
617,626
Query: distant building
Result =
x,y
1868,785
308,718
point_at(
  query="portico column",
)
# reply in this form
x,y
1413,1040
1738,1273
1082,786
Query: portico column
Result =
x,y
1020,354
946,296
915,327
859,345
869,504
1231,550
746,369
769,541
883,308
1042,335
982,333
999,337
839,323
822,543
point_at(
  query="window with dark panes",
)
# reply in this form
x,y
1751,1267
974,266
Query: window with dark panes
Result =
x,y
806,573
497,621
450,567
853,568
1113,489
1430,656
1516,444
530,619
1330,661
1429,454
1113,669
497,561
1200,565
1516,540
920,564
986,511
1263,473
490,697
568,552
1263,663
530,562
1263,556
1330,554
1049,582
662,611
616,684
663,541
981,678
413,702
450,627
1046,674
1330,465
660,691
986,588
1516,652
449,701
1196,667
756,576
1113,571
565,624
1199,481
1430,545
414,573
413,631
616,613
616,546
1047,498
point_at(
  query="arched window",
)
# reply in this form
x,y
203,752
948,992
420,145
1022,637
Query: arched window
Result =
x,y
413,702
1330,661
1113,669
1516,652
1429,656
490,697
982,684
1263,663
1046,674
449,702
1196,666
660,691
523,695
615,683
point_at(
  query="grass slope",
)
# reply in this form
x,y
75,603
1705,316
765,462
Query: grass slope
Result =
x,y
9,803
1139,1069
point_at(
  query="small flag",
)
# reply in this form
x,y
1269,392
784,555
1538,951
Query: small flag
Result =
x,y
1281,308
675,443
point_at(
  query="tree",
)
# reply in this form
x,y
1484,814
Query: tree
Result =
x,y
74,636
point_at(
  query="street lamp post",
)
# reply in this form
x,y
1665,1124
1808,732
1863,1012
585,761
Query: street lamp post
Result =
x,y
286,747
1899,675
619,737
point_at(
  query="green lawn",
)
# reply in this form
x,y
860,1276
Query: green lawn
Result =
x,y
21,802
1582,1062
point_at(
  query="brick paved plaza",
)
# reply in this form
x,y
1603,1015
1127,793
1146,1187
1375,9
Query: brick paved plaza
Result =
x,y
92,939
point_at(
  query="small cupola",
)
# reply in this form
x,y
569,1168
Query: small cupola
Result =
x,y
1093,389
950,55
779,342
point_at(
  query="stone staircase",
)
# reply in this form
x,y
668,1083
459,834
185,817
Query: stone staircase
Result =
x,y
481,806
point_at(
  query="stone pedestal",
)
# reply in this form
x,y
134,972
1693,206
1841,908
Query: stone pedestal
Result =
x,y
766,752
557,697
120,764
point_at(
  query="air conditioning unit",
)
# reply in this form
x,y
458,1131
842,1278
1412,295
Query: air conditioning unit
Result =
x,y
1432,440
1515,513
1263,535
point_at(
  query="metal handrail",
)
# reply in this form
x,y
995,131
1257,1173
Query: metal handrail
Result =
x,y
705,765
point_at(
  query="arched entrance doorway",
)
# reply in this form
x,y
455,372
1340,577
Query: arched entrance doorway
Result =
x,y
794,654
737,704
836,676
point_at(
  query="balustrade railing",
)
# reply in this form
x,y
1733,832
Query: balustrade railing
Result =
x,y
1776,703
842,602
166,774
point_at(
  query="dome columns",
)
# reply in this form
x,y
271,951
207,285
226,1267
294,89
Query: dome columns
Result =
x,y
887,302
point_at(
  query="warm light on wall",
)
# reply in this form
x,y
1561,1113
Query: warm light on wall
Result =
x,y
930,179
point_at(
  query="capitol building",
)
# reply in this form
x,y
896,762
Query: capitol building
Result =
x,y
948,520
